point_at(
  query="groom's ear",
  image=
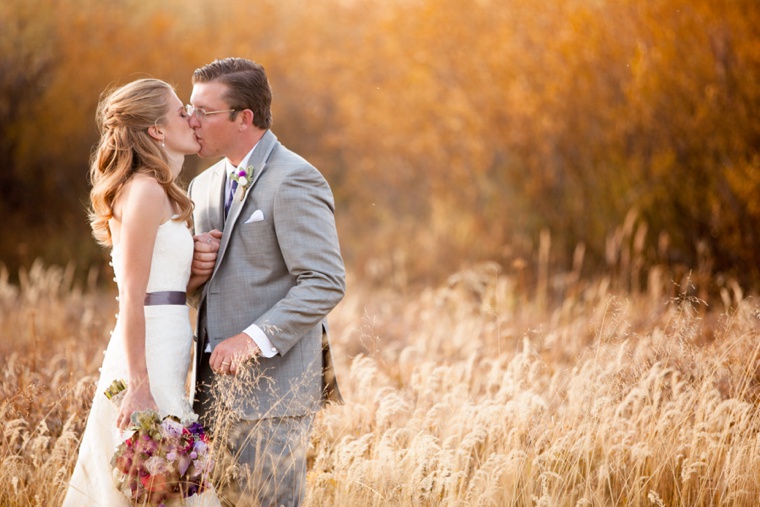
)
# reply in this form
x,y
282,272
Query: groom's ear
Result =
x,y
247,116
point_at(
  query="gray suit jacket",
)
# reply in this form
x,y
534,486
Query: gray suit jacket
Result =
x,y
284,273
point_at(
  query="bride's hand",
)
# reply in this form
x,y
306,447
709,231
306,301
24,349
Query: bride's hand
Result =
x,y
135,399
206,247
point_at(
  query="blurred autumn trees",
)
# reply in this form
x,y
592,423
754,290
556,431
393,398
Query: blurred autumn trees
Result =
x,y
451,132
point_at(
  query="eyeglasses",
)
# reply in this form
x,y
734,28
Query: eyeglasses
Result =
x,y
202,113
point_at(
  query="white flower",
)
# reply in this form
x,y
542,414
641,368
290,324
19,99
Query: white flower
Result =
x,y
188,418
242,177
156,465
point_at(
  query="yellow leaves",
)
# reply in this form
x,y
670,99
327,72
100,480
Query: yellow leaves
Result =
x,y
525,114
744,181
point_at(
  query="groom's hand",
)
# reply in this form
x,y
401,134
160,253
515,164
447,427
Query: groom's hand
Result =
x,y
232,352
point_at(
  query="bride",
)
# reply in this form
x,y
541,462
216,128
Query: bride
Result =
x,y
140,212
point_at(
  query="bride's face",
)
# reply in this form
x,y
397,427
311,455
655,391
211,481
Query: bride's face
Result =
x,y
178,135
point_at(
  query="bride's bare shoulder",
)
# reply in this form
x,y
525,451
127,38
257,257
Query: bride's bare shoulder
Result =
x,y
141,192
144,183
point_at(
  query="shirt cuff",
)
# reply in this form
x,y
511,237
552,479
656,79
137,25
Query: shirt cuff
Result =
x,y
262,340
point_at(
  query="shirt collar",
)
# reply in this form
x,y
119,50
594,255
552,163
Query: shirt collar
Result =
x,y
229,168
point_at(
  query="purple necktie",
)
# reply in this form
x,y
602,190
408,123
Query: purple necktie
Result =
x,y
230,196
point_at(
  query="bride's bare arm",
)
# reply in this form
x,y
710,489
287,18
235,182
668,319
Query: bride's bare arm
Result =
x,y
141,208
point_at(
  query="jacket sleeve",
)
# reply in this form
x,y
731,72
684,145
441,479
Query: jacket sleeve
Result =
x,y
304,221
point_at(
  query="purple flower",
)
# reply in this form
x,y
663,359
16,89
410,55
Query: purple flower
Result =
x,y
196,428
184,463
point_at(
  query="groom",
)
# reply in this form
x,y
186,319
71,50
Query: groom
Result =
x,y
278,273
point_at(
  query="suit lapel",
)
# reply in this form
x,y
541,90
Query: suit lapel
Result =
x,y
258,161
215,197
214,208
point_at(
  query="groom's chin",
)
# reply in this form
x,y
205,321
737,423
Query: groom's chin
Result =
x,y
201,154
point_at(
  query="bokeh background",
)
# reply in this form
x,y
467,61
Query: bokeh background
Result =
x,y
549,211
571,136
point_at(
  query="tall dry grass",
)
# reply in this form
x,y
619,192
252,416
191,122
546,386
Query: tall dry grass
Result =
x,y
476,392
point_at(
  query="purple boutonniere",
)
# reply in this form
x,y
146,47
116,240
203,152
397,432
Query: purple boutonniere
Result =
x,y
243,178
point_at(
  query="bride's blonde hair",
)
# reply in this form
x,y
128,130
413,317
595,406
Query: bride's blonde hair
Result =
x,y
125,148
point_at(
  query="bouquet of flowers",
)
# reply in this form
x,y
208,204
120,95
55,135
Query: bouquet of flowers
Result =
x,y
162,460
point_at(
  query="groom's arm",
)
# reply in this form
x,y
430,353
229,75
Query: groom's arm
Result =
x,y
304,222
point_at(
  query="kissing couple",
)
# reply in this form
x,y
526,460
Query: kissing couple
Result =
x,y
252,246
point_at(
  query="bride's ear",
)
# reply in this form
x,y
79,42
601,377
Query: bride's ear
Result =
x,y
155,133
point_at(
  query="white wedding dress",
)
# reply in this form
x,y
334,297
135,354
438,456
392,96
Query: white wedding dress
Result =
x,y
168,343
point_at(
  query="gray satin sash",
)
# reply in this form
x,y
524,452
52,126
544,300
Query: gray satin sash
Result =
x,y
167,297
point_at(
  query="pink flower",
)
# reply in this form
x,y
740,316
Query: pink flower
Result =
x,y
156,465
172,428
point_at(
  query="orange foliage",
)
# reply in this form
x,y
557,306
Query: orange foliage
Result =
x,y
451,131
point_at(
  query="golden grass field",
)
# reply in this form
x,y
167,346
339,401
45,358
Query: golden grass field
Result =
x,y
474,392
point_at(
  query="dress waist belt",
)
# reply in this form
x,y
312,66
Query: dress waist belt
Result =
x,y
167,297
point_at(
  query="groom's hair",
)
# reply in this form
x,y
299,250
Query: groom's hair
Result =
x,y
247,86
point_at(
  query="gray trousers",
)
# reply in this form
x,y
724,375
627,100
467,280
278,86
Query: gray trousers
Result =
x,y
270,454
